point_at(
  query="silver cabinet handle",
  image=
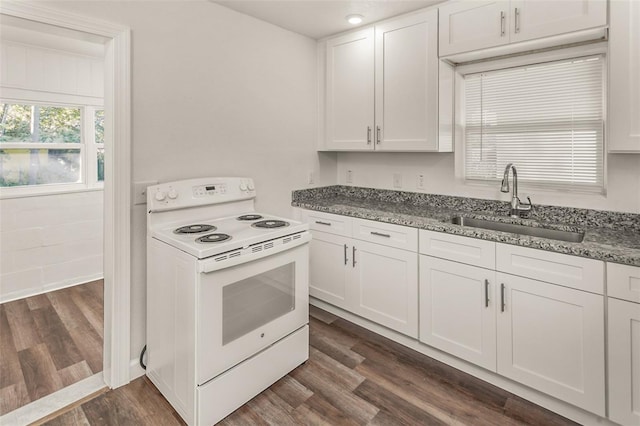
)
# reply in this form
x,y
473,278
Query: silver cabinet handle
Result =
x,y
379,234
378,135
502,20
517,21
319,222
353,256
368,135
345,254
502,304
486,293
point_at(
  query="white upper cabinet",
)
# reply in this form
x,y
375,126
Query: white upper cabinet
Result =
x,y
407,84
382,87
350,85
467,26
624,69
531,19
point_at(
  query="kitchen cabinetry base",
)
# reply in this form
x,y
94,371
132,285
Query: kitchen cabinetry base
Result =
x,y
569,411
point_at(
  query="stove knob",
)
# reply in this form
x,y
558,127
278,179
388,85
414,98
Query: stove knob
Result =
x,y
172,194
250,186
161,195
243,186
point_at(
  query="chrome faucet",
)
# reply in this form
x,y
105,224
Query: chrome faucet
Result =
x,y
517,207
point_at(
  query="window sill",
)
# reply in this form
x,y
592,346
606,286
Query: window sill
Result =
x,y
24,192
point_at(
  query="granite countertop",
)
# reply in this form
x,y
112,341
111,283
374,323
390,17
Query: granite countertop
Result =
x,y
608,236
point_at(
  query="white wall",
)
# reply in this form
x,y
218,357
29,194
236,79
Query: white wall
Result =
x,y
215,93
375,170
49,242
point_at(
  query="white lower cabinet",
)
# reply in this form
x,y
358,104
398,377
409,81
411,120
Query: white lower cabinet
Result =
x,y
623,283
551,338
375,280
457,310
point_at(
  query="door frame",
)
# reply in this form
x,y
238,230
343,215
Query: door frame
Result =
x,y
117,183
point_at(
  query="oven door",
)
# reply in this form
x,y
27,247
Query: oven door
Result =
x,y
247,307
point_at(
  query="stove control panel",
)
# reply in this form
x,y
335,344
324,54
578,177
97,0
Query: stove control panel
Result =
x,y
197,192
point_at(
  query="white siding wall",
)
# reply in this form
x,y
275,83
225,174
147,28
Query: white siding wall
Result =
x,y
49,242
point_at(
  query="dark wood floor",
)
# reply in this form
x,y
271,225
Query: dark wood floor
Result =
x,y
353,377
48,342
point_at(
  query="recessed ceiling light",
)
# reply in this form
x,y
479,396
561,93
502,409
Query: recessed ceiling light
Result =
x,y
354,19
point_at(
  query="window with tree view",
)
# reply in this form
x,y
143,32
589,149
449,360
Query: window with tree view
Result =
x,y
50,145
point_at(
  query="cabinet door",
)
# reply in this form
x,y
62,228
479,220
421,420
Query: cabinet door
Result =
x,y
385,282
551,338
624,362
328,257
624,68
531,19
466,26
407,83
458,310
349,93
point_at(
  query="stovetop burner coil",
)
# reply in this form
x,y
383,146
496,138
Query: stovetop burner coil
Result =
x,y
250,217
213,238
194,229
269,224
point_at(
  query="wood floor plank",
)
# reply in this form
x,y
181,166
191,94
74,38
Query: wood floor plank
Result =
x,y
305,416
13,396
91,307
528,413
37,302
272,409
74,373
89,344
339,374
243,416
291,391
23,328
393,407
69,313
321,315
112,408
354,407
40,373
10,372
73,417
55,335
323,409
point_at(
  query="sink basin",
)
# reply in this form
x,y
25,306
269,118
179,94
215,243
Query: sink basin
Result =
x,y
553,234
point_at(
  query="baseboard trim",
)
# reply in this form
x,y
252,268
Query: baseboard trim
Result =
x,y
42,409
135,369
22,294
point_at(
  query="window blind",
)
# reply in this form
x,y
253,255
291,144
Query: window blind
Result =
x,y
546,119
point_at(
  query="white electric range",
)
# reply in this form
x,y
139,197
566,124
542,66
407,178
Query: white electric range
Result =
x,y
227,296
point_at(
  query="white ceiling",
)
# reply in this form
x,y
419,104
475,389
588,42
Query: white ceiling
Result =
x,y
321,18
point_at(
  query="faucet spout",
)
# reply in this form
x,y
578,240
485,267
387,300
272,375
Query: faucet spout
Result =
x,y
517,208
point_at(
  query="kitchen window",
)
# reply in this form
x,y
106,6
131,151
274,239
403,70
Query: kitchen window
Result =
x,y
546,118
50,148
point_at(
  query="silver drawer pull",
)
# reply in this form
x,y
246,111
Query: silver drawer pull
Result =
x,y
322,223
379,234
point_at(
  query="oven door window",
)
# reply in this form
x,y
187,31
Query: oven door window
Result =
x,y
255,301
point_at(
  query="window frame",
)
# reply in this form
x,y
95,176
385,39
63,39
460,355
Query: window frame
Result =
x,y
87,146
481,66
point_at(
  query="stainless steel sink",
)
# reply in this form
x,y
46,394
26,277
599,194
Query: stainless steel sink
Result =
x,y
553,234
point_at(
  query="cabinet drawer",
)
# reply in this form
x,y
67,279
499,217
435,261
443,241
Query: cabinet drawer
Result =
x,y
471,251
623,282
388,234
569,271
327,222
